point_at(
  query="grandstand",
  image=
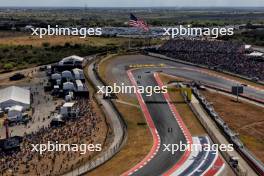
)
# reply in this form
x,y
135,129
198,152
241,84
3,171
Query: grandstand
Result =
x,y
220,55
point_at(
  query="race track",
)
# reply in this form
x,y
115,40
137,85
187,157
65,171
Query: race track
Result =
x,y
161,162
118,68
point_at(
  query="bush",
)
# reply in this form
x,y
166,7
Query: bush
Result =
x,y
8,66
46,44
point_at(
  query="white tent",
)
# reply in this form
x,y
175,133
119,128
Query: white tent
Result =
x,y
247,47
79,85
56,87
69,97
58,81
256,54
67,74
78,73
12,96
71,60
68,86
66,108
68,105
15,113
56,76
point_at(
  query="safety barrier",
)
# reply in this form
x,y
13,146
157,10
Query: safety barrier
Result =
x,y
229,134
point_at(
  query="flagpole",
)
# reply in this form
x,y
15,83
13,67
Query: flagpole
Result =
x,y
129,42
140,24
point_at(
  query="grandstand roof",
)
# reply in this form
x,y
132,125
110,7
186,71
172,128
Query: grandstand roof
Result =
x,y
14,93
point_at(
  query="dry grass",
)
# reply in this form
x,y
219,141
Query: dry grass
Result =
x,y
244,118
6,34
137,146
59,40
26,39
190,120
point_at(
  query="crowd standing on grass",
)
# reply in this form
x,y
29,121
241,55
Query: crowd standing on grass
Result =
x,y
222,55
81,130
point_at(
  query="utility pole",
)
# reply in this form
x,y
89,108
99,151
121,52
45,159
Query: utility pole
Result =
x,y
129,42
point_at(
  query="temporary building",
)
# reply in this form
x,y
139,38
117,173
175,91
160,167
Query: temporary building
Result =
x,y
247,47
68,86
66,108
15,113
12,96
78,73
69,97
56,76
56,87
79,85
2,113
57,121
67,74
58,81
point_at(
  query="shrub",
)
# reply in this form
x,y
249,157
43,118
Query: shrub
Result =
x,y
8,66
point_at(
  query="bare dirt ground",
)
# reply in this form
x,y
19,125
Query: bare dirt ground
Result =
x,y
244,118
29,73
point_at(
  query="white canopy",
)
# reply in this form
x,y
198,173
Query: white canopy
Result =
x,y
72,58
68,104
256,54
247,46
16,94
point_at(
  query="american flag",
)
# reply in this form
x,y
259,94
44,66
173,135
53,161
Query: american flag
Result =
x,y
135,22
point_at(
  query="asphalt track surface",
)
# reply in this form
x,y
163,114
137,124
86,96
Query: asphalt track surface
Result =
x,y
170,133
163,120
160,112
202,161
177,69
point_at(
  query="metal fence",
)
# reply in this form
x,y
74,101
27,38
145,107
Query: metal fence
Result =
x,y
110,152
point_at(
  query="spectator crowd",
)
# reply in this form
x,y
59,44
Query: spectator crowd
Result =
x,y
221,55
82,130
